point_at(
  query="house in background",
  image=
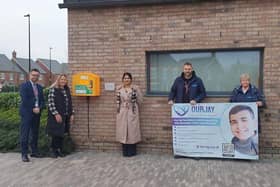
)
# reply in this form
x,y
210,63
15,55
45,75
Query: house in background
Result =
x,y
16,70
65,69
52,68
23,65
10,73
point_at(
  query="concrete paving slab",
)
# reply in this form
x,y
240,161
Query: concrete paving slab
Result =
x,y
83,169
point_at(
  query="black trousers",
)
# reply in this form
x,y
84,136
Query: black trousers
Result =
x,y
57,143
129,149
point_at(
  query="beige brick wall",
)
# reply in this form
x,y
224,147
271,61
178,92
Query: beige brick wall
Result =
x,y
109,41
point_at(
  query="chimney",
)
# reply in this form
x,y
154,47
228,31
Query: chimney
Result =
x,y
14,54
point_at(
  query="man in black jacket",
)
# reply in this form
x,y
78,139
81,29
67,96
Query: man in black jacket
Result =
x,y
187,88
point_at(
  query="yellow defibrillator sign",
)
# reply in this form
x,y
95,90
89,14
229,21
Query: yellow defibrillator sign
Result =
x,y
85,84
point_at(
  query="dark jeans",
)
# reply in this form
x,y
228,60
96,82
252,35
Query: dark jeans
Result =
x,y
29,124
129,149
57,143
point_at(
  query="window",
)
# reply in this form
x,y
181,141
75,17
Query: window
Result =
x,y
11,76
21,76
219,69
40,77
2,75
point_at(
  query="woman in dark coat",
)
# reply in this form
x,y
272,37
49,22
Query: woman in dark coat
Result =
x,y
247,92
60,113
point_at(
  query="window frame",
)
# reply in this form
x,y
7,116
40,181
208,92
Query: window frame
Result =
x,y
211,93
21,76
2,75
11,76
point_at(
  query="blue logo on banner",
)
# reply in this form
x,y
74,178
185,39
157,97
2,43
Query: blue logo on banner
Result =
x,y
181,110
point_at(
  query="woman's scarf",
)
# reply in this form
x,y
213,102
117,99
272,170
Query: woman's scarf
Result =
x,y
133,100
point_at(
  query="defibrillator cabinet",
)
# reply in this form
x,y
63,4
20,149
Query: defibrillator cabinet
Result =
x,y
85,84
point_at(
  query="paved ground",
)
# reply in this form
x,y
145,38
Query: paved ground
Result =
x,y
111,169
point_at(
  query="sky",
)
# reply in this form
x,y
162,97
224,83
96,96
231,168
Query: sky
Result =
x,y
48,29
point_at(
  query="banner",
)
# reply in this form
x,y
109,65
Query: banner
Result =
x,y
218,130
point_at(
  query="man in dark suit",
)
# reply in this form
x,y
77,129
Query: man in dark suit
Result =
x,y
32,103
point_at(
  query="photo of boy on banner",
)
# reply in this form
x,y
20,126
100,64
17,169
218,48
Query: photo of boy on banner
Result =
x,y
244,127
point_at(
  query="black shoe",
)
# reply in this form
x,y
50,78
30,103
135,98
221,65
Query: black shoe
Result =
x,y
25,158
178,157
131,154
36,155
59,153
53,154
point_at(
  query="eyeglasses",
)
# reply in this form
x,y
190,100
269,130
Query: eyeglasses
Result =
x,y
35,75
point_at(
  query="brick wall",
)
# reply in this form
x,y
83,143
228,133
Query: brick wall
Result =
x,y
109,41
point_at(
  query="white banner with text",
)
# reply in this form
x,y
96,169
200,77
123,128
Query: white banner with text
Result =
x,y
217,130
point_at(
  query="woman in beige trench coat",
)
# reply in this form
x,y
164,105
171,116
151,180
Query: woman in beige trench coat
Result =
x,y
127,125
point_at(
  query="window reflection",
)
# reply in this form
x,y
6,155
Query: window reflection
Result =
x,y
219,70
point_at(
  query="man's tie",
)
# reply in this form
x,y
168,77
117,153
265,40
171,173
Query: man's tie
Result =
x,y
35,91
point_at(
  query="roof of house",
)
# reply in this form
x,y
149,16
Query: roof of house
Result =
x,y
56,67
108,3
65,68
24,64
7,65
